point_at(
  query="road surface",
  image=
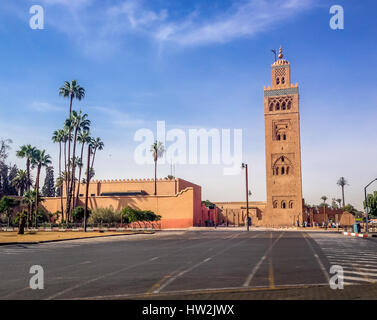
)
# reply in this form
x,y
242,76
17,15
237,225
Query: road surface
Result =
x,y
179,262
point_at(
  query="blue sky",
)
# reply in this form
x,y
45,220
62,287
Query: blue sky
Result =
x,y
196,64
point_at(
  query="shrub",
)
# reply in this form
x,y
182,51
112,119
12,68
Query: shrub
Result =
x,y
136,215
105,215
78,214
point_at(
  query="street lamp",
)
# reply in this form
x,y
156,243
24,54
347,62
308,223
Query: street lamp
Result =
x,y
366,205
244,166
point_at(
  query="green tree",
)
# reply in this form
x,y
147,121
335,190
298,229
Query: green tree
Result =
x,y
372,204
209,204
4,148
83,138
59,137
71,90
21,219
79,122
29,199
97,144
78,214
20,182
40,159
157,150
351,209
7,204
27,152
48,189
342,182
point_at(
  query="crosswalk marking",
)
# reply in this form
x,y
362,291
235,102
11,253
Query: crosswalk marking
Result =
x,y
358,257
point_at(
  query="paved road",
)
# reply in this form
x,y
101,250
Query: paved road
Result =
x,y
142,266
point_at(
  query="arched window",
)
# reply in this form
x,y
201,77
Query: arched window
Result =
x,y
277,106
275,204
283,106
284,136
282,80
282,166
289,105
277,81
271,107
283,205
290,204
278,137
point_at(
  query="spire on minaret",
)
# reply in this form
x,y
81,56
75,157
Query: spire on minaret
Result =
x,y
281,53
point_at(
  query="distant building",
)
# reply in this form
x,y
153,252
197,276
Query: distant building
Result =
x,y
178,201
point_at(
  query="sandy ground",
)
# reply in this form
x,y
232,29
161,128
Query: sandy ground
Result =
x,y
13,237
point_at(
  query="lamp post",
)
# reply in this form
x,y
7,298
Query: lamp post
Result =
x,y
366,204
244,166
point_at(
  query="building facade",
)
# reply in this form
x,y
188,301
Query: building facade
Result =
x,y
283,148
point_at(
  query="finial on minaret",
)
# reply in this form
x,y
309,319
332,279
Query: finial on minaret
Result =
x,y
281,53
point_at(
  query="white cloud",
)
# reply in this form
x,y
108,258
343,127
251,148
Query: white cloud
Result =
x,y
244,19
101,29
119,118
45,107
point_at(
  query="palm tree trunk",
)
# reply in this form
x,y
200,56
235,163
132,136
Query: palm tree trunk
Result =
x,y
60,173
155,177
343,196
87,188
70,105
78,184
94,155
28,189
37,192
72,190
68,208
64,181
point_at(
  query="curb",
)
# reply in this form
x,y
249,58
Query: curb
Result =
x,y
360,235
59,240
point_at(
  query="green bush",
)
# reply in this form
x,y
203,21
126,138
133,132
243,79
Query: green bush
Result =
x,y
105,215
136,215
78,214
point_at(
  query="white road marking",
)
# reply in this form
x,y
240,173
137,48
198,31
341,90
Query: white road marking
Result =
x,y
172,279
318,259
358,258
255,269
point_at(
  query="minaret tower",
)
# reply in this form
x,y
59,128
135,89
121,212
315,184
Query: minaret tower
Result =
x,y
283,150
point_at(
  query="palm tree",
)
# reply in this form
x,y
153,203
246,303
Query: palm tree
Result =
x,y
79,122
58,137
26,151
29,198
157,150
97,144
83,138
72,90
20,181
40,160
66,137
342,182
87,181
